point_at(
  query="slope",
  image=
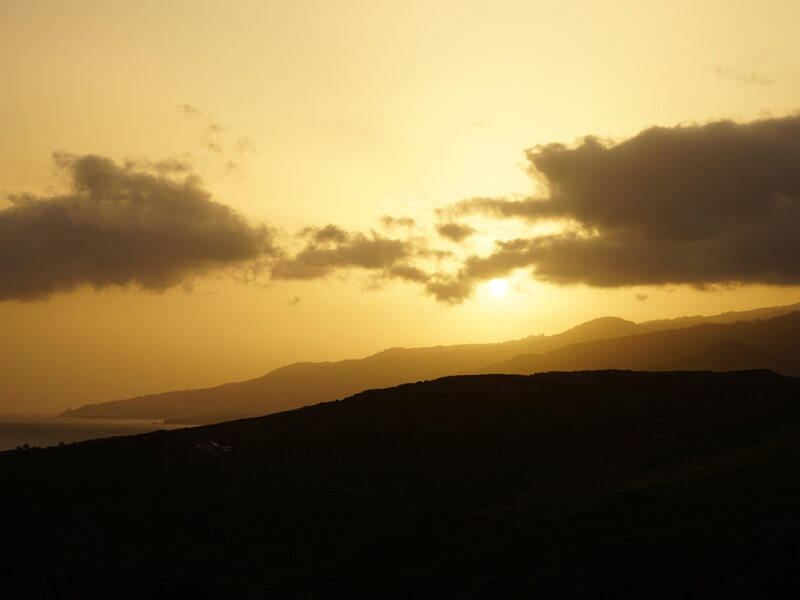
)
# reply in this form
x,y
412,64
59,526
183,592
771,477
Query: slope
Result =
x,y
598,484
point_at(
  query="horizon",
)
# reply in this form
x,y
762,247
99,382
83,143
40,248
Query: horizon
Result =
x,y
706,320
57,412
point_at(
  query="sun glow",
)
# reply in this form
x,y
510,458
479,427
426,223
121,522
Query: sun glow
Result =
x,y
498,287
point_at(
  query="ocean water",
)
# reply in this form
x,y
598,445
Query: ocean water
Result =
x,y
16,430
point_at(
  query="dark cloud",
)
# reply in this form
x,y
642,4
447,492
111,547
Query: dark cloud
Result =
x,y
322,235
455,288
408,273
451,289
456,232
331,248
716,203
120,225
708,204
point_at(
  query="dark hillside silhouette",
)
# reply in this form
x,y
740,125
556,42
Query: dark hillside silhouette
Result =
x,y
588,484
302,384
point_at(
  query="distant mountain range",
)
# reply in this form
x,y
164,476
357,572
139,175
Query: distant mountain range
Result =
x,y
691,343
772,344
601,484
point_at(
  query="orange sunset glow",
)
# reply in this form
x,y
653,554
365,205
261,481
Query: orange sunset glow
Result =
x,y
377,120
382,299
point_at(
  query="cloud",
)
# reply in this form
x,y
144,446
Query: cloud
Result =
x,y
752,76
331,248
408,273
212,142
167,166
187,110
120,225
322,235
213,139
714,203
245,146
705,204
456,232
450,289
390,223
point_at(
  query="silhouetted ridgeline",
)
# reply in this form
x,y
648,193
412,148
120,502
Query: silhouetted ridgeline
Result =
x,y
302,384
771,344
594,484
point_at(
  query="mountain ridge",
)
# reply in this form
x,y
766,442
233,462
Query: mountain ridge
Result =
x,y
658,350
303,383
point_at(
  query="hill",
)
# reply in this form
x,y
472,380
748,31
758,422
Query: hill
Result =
x,y
733,356
302,384
772,343
583,485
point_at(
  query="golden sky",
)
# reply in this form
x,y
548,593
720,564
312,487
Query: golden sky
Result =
x,y
168,170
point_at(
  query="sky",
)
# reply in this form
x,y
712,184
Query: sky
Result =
x,y
197,192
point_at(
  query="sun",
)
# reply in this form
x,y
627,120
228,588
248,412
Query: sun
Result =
x,y
498,287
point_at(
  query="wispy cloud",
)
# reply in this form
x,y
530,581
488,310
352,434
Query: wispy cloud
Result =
x,y
187,110
748,76
391,223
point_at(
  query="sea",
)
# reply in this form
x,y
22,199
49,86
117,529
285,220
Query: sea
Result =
x,y
43,431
